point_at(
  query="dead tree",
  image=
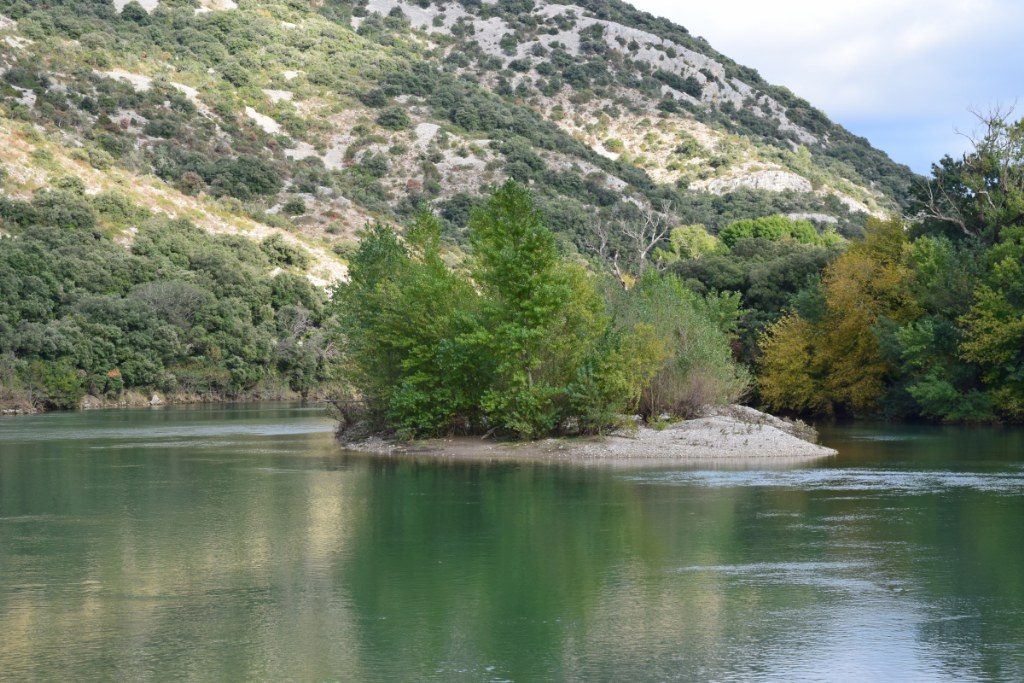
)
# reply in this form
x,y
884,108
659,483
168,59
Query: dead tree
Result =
x,y
626,244
982,185
645,234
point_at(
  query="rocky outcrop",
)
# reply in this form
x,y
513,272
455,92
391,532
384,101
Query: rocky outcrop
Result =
x,y
769,181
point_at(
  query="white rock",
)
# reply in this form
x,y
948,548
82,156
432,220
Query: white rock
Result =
x,y
276,96
425,133
770,181
268,124
301,150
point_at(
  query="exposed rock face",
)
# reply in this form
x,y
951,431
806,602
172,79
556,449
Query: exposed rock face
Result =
x,y
771,181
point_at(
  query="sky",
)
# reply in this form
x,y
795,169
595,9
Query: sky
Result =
x,y
906,74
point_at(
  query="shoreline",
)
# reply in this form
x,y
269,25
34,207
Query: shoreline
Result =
x,y
729,434
137,399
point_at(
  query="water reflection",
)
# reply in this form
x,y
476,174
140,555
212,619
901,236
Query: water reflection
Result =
x,y
240,543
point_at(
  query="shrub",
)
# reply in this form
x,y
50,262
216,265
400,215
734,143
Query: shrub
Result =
x,y
281,253
614,145
697,369
772,228
394,118
295,206
55,385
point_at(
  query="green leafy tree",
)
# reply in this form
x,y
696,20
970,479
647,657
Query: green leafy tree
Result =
x,y
542,316
406,318
687,243
994,326
521,344
692,336
774,229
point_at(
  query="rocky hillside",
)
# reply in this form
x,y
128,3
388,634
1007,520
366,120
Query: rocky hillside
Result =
x,y
309,118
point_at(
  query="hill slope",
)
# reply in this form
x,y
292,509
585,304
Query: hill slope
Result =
x,y
311,118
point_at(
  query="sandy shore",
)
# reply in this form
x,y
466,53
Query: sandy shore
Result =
x,y
733,434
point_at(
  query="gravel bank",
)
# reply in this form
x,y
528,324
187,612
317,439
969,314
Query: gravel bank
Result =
x,y
730,434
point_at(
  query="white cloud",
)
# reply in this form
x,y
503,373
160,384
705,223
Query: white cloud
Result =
x,y
873,62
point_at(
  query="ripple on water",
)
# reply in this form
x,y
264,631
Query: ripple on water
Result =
x,y
857,480
846,576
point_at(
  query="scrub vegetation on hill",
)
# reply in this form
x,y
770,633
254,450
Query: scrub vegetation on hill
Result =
x,y
177,311
329,116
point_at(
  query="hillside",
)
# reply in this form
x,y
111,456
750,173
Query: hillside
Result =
x,y
310,119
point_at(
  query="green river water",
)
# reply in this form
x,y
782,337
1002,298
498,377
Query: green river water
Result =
x,y
240,543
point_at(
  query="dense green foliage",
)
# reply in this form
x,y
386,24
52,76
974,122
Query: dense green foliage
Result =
x,y
775,229
699,369
929,324
770,277
523,343
178,311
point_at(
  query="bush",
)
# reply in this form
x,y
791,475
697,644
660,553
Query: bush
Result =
x,y
281,253
55,385
80,313
697,369
394,118
243,177
295,206
772,228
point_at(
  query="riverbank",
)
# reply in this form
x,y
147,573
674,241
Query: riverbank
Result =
x,y
730,433
16,405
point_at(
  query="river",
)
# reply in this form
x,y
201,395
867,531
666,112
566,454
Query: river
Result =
x,y
239,542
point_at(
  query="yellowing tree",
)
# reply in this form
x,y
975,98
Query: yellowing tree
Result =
x,y
790,376
835,363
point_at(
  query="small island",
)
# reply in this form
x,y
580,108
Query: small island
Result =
x,y
525,353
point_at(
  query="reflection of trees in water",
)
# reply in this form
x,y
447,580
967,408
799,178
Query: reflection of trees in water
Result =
x,y
971,575
283,559
583,573
551,571
957,552
203,561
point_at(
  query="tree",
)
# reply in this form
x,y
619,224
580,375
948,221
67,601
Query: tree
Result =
x,y
980,194
687,243
627,241
521,344
542,316
994,326
772,228
690,345
405,320
836,363
790,376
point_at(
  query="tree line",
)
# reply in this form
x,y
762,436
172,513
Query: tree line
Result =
x,y
919,320
523,335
